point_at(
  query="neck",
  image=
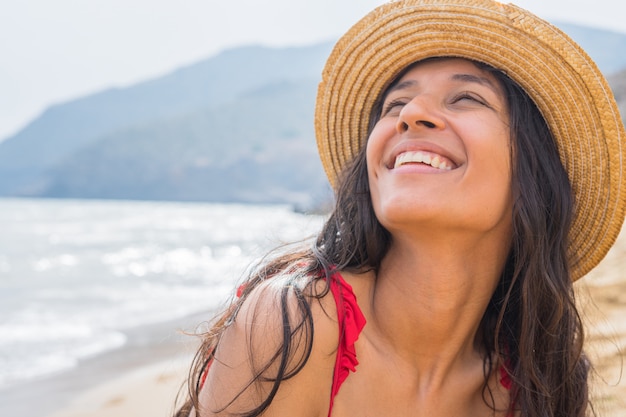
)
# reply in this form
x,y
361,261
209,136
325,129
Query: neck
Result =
x,y
429,299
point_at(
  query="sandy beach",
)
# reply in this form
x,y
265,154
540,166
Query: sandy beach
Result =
x,y
145,391
144,380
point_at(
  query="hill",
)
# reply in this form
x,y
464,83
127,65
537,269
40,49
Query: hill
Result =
x,y
31,159
237,127
257,148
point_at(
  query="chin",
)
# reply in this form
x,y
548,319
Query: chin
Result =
x,y
403,210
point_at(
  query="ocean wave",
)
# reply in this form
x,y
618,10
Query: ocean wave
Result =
x,y
31,351
78,275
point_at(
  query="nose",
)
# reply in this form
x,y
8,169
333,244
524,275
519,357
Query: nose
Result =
x,y
418,114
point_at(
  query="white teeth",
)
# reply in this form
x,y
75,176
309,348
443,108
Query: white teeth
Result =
x,y
421,157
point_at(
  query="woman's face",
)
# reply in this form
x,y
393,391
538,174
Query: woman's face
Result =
x,y
439,157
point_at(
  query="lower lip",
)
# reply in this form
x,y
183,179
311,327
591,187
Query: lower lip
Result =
x,y
419,168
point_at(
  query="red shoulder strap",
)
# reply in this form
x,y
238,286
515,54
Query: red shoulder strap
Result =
x,y
351,321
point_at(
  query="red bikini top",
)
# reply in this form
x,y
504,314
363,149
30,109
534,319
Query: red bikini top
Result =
x,y
351,322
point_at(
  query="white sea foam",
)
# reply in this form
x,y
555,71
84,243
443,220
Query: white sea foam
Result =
x,y
35,349
62,261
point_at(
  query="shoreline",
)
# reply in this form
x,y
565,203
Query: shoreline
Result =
x,y
157,353
149,390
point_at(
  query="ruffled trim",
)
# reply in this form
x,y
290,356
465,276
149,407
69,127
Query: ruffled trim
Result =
x,y
507,382
351,321
505,377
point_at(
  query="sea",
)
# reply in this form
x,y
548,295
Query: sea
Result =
x,y
76,275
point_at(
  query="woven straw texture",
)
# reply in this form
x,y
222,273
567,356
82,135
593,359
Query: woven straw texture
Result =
x,y
568,88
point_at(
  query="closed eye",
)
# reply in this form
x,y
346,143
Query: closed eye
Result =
x,y
470,97
394,105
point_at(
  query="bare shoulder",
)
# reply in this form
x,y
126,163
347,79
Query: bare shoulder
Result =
x,y
285,331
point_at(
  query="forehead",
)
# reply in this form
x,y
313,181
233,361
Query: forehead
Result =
x,y
446,69
444,64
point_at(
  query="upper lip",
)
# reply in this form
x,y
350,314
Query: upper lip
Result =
x,y
428,147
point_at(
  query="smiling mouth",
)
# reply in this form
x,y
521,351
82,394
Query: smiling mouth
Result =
x,y
420,157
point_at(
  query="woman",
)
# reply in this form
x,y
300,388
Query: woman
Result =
x,y
476,156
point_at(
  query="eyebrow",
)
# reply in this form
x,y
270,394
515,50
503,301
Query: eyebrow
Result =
x,y
468,78
471,78
401,86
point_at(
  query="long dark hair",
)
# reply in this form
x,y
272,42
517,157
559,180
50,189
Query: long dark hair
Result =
x,y
531,324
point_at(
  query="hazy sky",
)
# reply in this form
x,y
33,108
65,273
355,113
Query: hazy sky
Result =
x,y
52,51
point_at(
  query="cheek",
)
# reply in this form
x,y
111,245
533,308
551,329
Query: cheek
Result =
x,y
491,146
498,190
501,150
375,146
370,159
489,168
374,154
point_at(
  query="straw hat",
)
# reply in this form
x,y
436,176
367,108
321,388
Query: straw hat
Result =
x,y
559,76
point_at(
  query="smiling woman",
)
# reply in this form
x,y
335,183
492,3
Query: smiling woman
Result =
x,y
476,156
447,112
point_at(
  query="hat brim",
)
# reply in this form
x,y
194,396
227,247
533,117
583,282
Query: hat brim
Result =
x,y
565,84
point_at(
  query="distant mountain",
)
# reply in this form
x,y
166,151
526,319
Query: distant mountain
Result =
x,y
28,158
237,127
257,148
